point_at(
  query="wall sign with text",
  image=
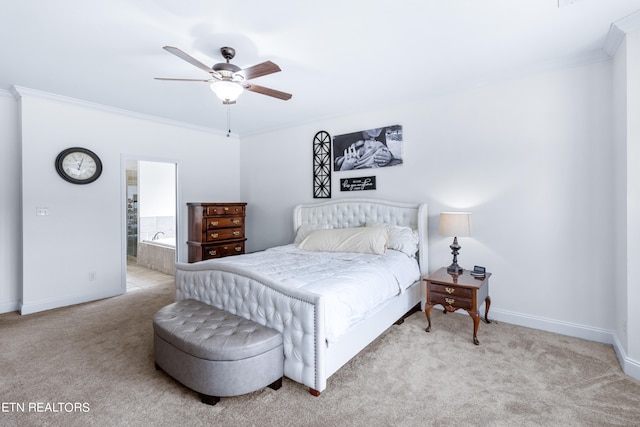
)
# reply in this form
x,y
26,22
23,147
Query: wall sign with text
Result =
x,y
358,184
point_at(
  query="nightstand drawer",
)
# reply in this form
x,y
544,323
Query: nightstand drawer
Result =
x,y
452,301
451,290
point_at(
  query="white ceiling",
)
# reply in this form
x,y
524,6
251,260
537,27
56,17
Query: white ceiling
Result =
x,y
336,56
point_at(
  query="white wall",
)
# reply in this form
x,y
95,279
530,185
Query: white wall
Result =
x,y
626,190
84,232
620,195
10,219
531,158
632,46
156,182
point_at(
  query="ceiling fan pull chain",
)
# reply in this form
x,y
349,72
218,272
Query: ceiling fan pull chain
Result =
x,y
228,120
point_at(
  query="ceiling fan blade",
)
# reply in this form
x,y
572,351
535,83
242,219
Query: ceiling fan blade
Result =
x,y
259,70
185,80
267,91
190,59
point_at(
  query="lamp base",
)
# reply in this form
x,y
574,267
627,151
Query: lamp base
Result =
x,y
455,269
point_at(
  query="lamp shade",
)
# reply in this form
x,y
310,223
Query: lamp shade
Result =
x,y
227,90
455,224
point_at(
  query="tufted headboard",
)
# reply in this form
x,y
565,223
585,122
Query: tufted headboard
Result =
x,y
343,213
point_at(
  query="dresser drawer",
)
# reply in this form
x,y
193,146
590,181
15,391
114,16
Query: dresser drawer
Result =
x,y
450,290
224,222
218,251
452,301
224,234
224,210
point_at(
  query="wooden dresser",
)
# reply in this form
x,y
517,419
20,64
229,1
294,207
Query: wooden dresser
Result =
x,y
215,230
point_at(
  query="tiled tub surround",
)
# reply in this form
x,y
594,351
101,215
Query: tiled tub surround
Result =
x,y
158,255
154,227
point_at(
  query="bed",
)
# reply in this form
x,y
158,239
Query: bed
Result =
x,y
316,344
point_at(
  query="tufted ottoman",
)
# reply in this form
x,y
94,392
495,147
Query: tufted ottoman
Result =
x,y
216,353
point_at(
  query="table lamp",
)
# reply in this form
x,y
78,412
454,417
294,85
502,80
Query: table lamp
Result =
x,y
455,224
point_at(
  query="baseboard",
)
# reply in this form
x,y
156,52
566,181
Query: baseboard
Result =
x,y
49,304
9,306
629,366
550,325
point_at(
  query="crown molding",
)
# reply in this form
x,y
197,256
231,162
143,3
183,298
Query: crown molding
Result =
x,y
6,94
20,92
618,30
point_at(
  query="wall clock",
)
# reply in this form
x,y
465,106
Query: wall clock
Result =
x,y
78,165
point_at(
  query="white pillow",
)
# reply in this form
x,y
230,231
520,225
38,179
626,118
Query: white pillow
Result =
x,y
402,239
304,230
371,240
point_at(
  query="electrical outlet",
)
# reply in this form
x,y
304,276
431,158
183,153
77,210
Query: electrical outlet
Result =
x,y
92,276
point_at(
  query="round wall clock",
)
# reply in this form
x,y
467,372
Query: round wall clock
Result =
x,y
78,165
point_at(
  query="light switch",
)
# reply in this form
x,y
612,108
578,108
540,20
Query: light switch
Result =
x,y
42,211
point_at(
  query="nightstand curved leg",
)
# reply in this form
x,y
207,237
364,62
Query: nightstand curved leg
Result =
x,y
487,304
427,312
476,322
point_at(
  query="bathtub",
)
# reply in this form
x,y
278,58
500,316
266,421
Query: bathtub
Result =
x,y
158,255
168,242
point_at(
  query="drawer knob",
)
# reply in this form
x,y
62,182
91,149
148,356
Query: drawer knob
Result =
x,y
213,253
214,235
236,221
236,233
449,290
238,248
449,301
214,222
226,209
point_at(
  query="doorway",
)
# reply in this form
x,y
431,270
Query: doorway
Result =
x,y
150,222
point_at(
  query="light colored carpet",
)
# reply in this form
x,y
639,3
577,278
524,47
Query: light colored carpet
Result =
x,y
93,365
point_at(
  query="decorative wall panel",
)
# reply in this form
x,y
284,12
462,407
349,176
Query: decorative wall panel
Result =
x,y
322,165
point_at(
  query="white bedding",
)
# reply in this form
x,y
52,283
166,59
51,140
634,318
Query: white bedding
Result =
x,y
354,285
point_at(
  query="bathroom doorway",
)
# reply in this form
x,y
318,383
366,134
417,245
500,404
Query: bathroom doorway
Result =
x,y
151,222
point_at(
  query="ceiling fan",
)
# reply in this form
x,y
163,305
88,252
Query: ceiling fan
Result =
x,y
227,80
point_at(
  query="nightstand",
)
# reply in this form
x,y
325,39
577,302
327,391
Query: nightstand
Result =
x,y
458,291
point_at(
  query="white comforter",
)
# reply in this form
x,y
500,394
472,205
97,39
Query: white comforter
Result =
x,y
353,285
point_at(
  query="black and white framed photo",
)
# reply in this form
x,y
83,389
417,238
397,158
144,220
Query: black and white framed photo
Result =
x,y
371,148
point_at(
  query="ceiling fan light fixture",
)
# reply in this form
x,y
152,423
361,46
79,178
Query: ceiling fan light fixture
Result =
x,y
226,90
227,80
